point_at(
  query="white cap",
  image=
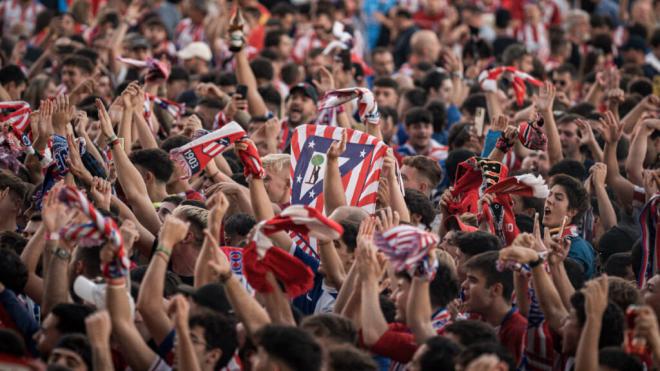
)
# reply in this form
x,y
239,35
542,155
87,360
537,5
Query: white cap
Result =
x,y
95,293
196,49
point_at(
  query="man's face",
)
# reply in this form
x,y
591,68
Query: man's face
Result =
x,y
48,335
193,65
72,77
301,109
165,209
570,141
413,179
15,91
207,115
388,128
383,64
570,333
536,161
155,34
67,358
385,96
556,207
323,26
563,82
446,90
285,46
277,185
345,256
477,296
104,87
175,88
261,361
400,297
420,134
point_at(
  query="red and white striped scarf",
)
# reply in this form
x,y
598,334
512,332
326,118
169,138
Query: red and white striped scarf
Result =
x,y
367,106
648,221
488,81
407,248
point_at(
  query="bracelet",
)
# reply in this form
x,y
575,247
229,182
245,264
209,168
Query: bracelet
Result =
x,y
538,261
165,251
503,145
52,236
111,138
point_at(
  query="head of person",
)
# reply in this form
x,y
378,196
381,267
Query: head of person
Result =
x,y
419,126
72,351
13,272
280,42
207,109
634,50
563,77
616,359
470,332
39,87
388,122
167,205
386,92
620,265
214,339
13,80
330,329
651,293
421,209
301,104
196,57
277,180
184,255
349,217
347,357
567,198
578,25
484,286
411,98
75,69
85,261
516,55
12,343
154,165
437,353
322,21
424,47
536,162
400,294
286,348
569,135
438,85
610,335
382,61
177,83
13,190
63,319
444,287
237,228
154,30
471,244
479,349
421,173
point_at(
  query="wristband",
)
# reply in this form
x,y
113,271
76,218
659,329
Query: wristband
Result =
x,y
52,236
112,138
538,261
165,251
503,145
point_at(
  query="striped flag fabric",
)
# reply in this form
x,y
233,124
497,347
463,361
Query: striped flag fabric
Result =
x,y
407,248
15,114
360,165
194,156
648,221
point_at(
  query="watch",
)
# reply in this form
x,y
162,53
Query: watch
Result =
x,y
61,253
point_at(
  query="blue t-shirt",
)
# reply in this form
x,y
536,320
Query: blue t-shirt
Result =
x,y
306,303
583,253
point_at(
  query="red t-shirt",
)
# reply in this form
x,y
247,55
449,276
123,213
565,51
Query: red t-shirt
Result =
x,y
511,333
397,343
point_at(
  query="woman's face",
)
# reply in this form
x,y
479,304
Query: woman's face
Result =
x,y
51,90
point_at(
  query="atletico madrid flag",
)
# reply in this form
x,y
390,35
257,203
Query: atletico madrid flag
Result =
x,y
359,165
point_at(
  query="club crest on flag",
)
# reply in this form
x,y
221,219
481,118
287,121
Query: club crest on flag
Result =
x,y
359,165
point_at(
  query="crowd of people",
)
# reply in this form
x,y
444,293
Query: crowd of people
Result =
x,y
329,185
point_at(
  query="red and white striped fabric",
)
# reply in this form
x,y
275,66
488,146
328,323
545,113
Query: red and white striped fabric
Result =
x,y
173,108
13,13
252,166
188,32
194,156
15,114
304,44
407,248
648,221
100,230
488,81
535,39
367,106
157,69
359,165
259,257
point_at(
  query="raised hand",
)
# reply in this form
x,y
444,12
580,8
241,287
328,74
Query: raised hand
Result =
x,y
54,213
520,250
598,174
179,310
611,130
219,264
129,234
104,119
387,219
272,127
173,231
99,328
191,124
499,123
546,97
101,193
595,293
218,205
337,147
63,113
326,83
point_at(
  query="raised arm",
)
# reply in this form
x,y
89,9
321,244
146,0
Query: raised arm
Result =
x,y
595,292
185,349
333,189
419,311
150,300
637,153
611,132
99,328
544,105
129,177
605,208
245,76
397,201
218,205
30,257
648,104
372,320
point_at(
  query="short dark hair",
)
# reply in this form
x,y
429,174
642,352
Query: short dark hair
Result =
x,y
426,166
219,332
439,115
642,86
290,73
178,74
440,354
417,115
174,141
566,68
575,272
12,343
14,183
569,167
454,158
12,73
213,103
71,317
386,112
262,69
13,272
513,53
615,240
577,196
13,241
226,79
445,287
615,358
270,94
419,204
471,332
292,346
272,38
156,161
79,344
349,237
617,264
477,242
434,79
386,82
485,263
416,97
623,293
333,326
476,350
610,335
346,357
239,223
80,62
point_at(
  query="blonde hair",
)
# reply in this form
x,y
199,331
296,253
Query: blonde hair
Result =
x,y
196,216
276,162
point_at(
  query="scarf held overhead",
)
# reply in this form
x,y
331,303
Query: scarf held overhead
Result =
x,y
488,81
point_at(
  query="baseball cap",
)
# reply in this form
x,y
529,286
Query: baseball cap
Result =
x,y
137,41
307,89
196,49
94,293
211,296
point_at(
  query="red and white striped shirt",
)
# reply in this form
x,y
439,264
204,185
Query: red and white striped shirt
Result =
x,y
535,39
13,13
187,32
